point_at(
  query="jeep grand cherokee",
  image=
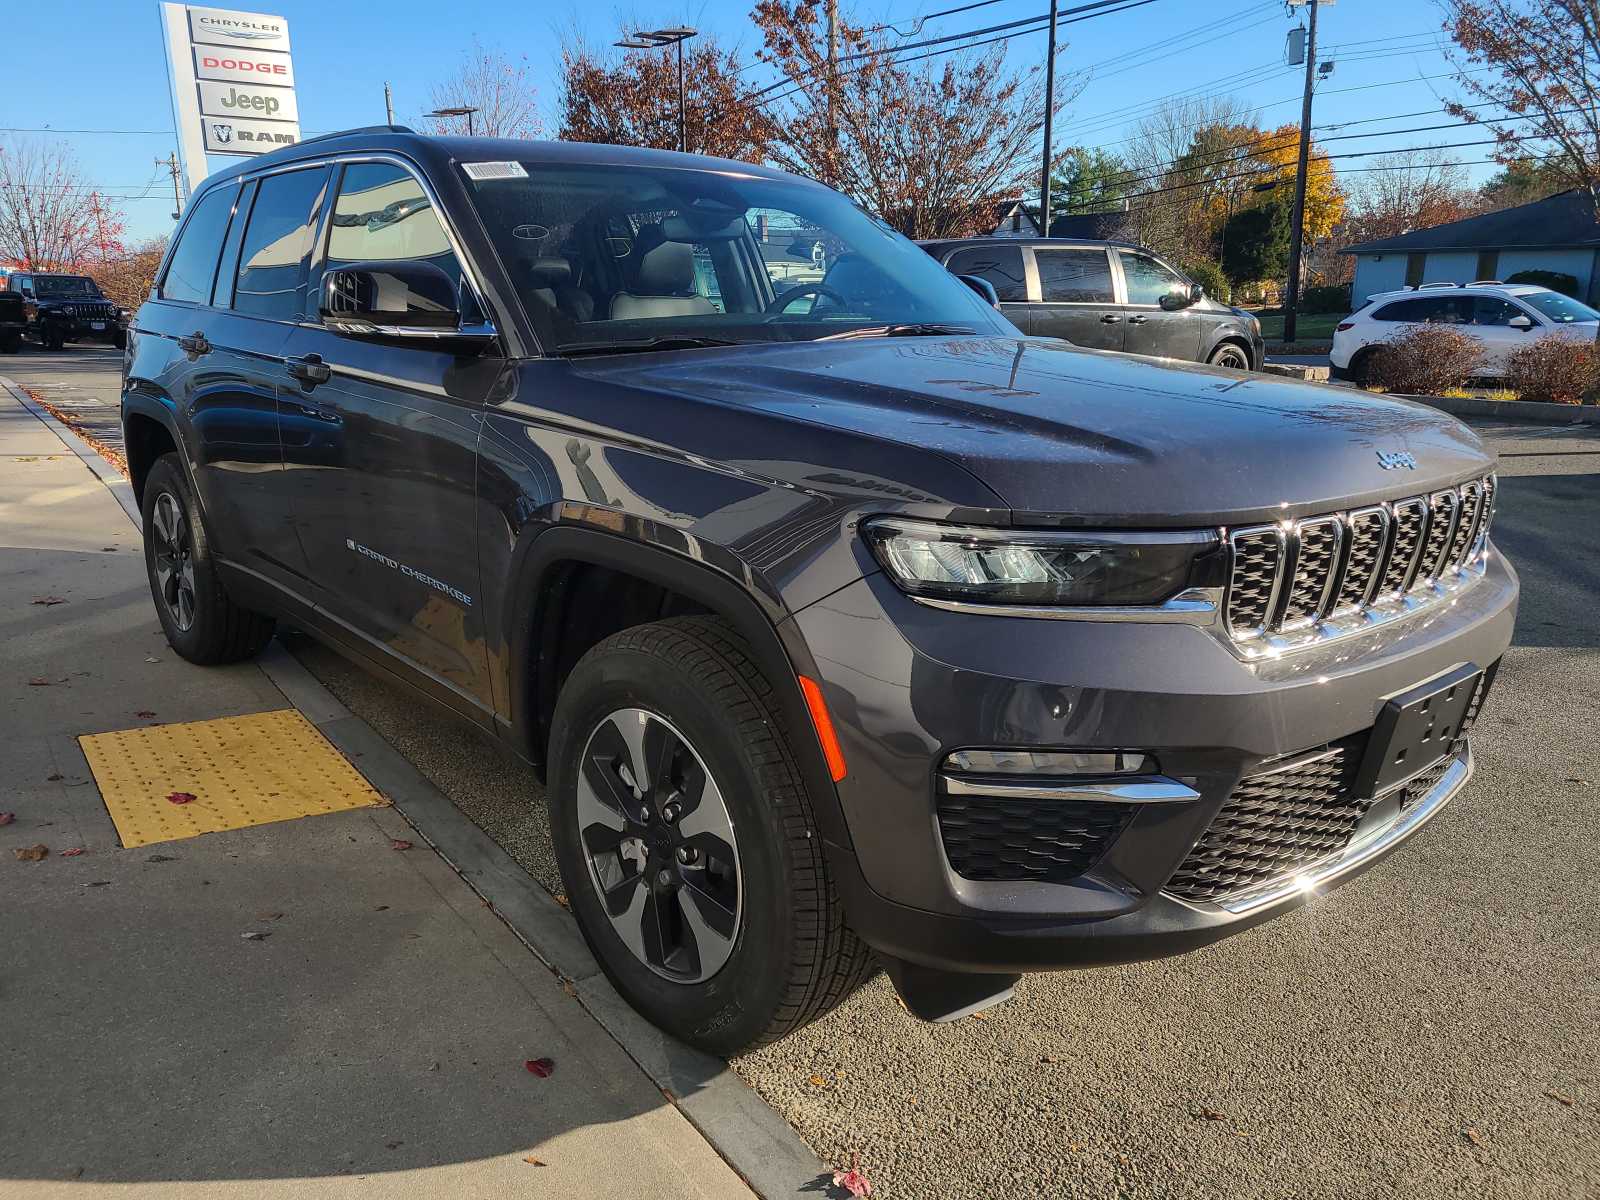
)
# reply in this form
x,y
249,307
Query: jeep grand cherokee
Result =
x,y
839,615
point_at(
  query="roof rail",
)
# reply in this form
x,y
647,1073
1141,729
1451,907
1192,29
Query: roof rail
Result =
x,y
1487,283
322,137
1422,287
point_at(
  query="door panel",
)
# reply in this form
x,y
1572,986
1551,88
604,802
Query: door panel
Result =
x,y
1152,329
1077,300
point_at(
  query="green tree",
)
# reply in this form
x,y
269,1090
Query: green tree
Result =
x,y
1522,183
1089,180
1258,242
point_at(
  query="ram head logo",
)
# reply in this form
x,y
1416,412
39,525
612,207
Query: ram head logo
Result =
x,y
224,133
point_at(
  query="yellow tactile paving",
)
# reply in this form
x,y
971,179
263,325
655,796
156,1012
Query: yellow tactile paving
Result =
x,y
271,766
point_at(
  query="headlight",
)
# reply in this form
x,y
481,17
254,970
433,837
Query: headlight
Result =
x,y
1033,567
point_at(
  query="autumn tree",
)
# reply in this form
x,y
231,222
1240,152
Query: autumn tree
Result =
x,y
928,145
50,219
632,100
1537,64
499,88
1179,153
1521,181
126,278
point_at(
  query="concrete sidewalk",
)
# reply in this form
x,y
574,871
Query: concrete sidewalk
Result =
x,y
373,1041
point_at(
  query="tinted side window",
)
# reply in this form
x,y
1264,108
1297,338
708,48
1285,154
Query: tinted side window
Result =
x,y
1147,279
1492,310
1075,276
194,259
382,213
1410,310
1000,265
277,243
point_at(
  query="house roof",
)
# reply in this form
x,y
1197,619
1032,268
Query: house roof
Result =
x,y
1565,219
1003,209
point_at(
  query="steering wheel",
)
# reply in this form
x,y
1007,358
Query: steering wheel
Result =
x,y
806,289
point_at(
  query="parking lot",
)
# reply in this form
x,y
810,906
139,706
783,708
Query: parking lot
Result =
x,y
1429,1030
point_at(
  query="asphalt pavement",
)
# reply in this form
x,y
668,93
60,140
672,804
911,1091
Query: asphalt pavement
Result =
x,y
1432,1029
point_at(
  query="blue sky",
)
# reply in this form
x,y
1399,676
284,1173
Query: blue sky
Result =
x,y
103,70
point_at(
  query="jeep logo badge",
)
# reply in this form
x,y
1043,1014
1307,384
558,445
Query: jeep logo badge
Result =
x,y
1397,460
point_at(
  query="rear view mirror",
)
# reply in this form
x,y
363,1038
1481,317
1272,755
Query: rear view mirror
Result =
x,y
1521,321
983,287
402,298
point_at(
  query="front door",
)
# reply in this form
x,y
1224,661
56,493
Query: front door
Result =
x,y
385,450
1491,318
1152,329
1076,298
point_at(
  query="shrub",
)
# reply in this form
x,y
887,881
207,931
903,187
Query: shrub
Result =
x,y
1334,298
1555,369
1556,281
1425,360
1209,276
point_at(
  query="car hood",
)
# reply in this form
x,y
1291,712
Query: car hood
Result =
x,y
1074,436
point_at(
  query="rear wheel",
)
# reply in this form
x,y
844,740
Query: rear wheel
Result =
x,y
52,338
1230,355
1361,364
687,843
199,619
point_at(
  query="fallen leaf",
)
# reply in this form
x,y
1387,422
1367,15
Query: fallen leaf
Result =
x,y
912,1100
38,681
109,549
818,1081
395,1145
255,936
399,844
31,853
98,883
979,1016
533,1162
852,1180
144,714
381,908
562,900
569,988
1473,1136
1566,1101
53,778
542,1067
435,1067
7,818
268,916
161,858
180,797
147,658
72,852
49,600
1047,1058
413,936
1209,1114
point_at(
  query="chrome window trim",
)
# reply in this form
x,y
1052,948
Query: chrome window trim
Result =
x,y
1156,790
1193,606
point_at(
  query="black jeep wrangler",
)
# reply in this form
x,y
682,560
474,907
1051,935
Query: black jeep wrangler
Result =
x,y
13,321
68,308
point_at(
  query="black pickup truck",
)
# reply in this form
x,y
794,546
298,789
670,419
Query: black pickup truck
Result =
x,y
68,308
13,320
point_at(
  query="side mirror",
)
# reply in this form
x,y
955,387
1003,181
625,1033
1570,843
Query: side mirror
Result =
x,y
1521,321
402,299
1181,298
983,287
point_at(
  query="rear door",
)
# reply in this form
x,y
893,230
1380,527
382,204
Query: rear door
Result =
x,y
1152,329
1077,299
385,445
1001,264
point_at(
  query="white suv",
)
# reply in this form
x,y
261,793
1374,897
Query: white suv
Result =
x,y
1503,316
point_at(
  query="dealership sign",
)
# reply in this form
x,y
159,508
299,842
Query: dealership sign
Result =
x,y
232,83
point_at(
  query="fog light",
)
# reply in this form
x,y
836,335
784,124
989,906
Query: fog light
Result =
x,y
1023,761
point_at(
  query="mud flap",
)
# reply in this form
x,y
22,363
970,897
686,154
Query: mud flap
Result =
x,y
938,996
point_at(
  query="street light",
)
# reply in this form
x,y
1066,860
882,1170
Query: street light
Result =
x,y
461,111
660,39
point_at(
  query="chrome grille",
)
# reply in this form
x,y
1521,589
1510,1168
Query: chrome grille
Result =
x,y
1253,581
1316,563
1367,531
1328,571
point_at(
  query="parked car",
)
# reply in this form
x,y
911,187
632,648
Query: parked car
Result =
x,y
1503,316
67,308
1106,296
845,624
13,321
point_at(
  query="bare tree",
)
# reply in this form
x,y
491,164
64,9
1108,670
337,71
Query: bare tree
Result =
x,y
47,212
928,145
1183,150
1543,60
500,89
1417,189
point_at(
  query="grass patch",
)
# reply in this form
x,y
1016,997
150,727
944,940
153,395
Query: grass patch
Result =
x,y
1309,327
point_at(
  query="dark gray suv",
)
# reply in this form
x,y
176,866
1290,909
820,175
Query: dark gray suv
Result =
x,y
848,626
1106,296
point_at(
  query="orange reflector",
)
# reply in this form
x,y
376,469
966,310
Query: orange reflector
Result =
x,y
823,724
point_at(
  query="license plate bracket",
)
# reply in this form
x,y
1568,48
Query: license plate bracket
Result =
x,y
1414,730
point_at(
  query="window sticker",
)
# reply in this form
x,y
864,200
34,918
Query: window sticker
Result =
x,y
494,170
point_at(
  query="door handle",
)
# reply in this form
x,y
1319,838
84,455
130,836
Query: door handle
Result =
x,y
310,369
195,344
1110,319
1140,320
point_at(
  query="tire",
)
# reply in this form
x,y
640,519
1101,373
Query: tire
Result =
x,y
119,340
53,339
688,688
1360,369
1230,355
10,343
201,623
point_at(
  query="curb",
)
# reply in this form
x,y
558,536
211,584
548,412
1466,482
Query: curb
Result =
x,y
1514,410
748,1134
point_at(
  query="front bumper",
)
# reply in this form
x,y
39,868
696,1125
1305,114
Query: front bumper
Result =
x,y
906,684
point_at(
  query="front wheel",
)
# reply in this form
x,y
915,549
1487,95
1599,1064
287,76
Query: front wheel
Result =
x,y
687,843
199,619
1230,356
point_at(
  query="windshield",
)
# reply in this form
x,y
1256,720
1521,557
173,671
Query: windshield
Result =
x,y
625,256
65,287
1563,310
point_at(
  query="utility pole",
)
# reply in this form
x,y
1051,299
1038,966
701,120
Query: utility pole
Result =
x,y
1298,219
388,102
833,88
171,164
1049,115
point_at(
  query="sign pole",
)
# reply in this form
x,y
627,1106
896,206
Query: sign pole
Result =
x,y
185,100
